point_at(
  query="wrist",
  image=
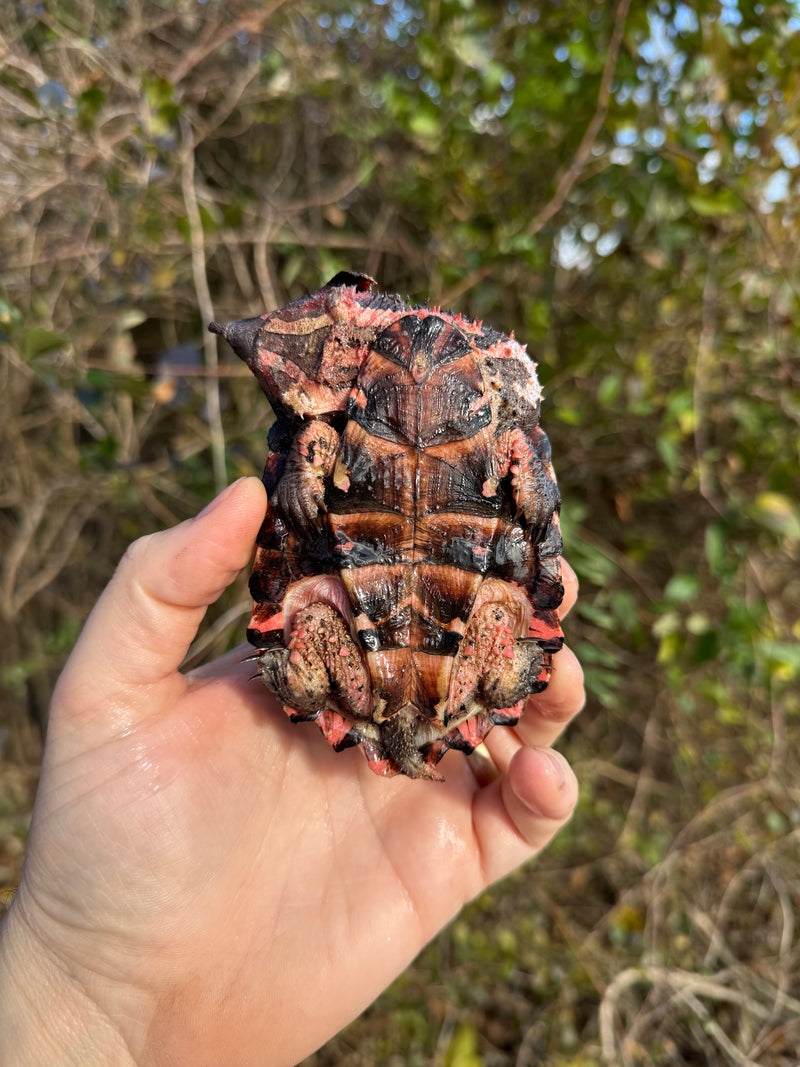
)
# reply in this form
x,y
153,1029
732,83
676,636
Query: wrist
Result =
x,y
46,1017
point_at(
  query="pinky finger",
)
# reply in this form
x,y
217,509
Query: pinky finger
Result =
x,y
519,813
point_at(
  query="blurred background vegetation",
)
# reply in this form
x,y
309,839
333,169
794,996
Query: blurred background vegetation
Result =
x,y
618,184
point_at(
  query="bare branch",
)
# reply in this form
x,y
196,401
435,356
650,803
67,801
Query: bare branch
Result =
x,y
213,407
573,172
249,22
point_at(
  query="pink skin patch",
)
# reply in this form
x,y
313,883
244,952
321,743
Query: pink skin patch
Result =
x,y
382,767
359,398
264,626
509,715
475,729
377,763
334,726
319,589
544,626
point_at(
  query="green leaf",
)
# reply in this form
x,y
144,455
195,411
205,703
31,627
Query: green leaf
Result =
x,y
716,544
158,91
722,203
89,102
669,453
184,227
778,513
706,647
463,1048
609,390
9,313
426,123
782,658
682,587
38,341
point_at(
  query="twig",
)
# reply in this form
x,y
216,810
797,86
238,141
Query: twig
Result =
x,y
719,949
207,639
680,985
621,561
173,370
15,591
573,171
62,177
261,262
606,769
213,407
452,295
714,1030
249,22
705,349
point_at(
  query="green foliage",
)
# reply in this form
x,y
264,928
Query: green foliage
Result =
x,y
619,191
463,1048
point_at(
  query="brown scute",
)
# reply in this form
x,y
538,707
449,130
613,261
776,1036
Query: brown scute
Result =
x,y
454,479
382,475
421,405
362,538
400,677
381,600
422,344
445,593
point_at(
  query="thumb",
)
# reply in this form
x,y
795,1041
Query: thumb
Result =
x,y
141,627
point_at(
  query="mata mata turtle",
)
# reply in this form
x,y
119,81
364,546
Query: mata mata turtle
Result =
x,y
407,571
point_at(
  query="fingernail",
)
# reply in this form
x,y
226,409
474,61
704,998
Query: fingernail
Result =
x,y
559,765
218,499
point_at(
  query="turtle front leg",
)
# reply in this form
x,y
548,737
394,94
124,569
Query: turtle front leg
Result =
x,y
533,484
321,675
526,460
299,497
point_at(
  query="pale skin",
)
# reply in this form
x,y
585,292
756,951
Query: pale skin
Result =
x,y
209,884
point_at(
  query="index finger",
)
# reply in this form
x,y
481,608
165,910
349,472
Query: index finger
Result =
x,y
569,580
547,713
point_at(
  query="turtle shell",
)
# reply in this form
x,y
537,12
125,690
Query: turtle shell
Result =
x,y
407,576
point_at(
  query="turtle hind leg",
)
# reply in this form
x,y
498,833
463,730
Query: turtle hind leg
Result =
x,y
492,675
321,675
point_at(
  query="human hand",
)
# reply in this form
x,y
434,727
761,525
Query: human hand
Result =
x,y
205,882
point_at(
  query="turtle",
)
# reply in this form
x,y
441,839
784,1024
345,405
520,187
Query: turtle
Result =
x,y
406,576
